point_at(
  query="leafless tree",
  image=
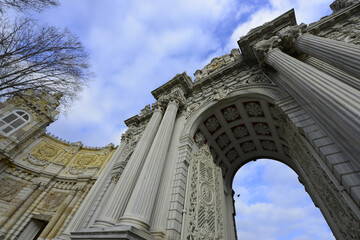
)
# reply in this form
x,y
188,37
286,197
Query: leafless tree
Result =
x,y
41,58
22,5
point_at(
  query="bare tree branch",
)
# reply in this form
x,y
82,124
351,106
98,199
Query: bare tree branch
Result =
x,y
41,58
23,5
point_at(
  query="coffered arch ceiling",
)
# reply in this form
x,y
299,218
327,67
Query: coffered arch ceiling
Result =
x,y
242,130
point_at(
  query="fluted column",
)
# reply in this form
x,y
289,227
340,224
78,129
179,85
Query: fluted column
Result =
x,y
345,56
337,103
141,203
161,208
116,204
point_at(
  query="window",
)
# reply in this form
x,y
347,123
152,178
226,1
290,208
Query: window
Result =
x,y
12,121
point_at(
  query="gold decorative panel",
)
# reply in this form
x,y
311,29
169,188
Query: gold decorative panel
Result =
x,y
45,151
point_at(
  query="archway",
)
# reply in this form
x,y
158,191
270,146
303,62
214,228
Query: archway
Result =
x,y
235,130
271,203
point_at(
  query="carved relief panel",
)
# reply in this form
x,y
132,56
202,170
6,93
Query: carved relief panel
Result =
x,y
52,201
43,154
204,198
9,188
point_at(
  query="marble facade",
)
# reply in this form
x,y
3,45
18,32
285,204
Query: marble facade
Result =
x,y
292,94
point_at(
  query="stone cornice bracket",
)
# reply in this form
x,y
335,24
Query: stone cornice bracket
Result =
x,y
181,81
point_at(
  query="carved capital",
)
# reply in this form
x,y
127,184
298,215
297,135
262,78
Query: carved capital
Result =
x,y
264,46
284,39
158,106
115,178
176,96
146,111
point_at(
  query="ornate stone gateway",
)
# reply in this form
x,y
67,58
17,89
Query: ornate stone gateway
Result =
x,y
292,94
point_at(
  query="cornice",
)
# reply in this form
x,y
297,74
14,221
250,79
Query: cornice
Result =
x,y
332,19
180,80
265,31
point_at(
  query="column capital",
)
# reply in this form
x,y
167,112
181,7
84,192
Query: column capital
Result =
x,y
175,96
284,40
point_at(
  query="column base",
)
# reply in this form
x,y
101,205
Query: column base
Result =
x,y
135,222
103,223
119,232
158,234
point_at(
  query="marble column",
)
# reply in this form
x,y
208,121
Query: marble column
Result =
x,y
119,198
140,206
161,209
345,56
337,102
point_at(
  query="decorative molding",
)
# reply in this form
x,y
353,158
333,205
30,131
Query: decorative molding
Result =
x,y
204,214
35,161
52,201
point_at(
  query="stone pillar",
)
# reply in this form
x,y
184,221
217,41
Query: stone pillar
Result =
x,y
329,97
333,71
140,206
345,56
64,215
122,191
161,209
178,188
54,220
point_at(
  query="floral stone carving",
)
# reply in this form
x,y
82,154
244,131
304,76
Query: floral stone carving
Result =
x,y
204,198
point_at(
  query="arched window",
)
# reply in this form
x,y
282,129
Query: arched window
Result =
x,y
12,121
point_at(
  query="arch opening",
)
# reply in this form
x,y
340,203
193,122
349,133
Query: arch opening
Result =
x,y
271,203
242,128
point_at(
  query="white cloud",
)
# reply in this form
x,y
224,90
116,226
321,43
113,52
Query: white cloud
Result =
x,y
136,46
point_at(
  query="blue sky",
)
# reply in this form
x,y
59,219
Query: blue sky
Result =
x,y
137,45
